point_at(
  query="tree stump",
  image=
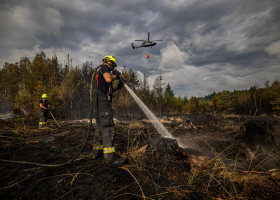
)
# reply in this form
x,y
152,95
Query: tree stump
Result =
x,y
263,133
187,124
164,154
168,145
165,118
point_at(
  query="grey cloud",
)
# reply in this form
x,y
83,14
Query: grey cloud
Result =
x,y
216,40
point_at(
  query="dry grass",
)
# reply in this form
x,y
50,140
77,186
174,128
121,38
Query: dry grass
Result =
x,y
231,115
136,124
233,126
213,177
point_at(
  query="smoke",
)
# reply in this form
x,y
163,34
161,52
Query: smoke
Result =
x,y
5,109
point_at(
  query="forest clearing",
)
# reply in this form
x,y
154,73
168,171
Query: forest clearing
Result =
x,y
222,157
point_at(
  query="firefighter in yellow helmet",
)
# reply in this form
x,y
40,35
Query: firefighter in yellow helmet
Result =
x,y
105,127
43,111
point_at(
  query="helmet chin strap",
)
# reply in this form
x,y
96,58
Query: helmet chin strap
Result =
x,y
111,65
108,64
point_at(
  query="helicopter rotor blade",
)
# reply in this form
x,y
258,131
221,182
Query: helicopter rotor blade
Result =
x,y
148,36
157,40
139,40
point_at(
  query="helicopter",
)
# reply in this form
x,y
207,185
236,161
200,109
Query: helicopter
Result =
x,y
145,43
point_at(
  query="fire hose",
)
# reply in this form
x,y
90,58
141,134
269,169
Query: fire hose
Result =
x,y
93,91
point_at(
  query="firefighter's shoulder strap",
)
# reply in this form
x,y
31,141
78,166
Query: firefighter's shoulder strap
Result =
x,y
97,77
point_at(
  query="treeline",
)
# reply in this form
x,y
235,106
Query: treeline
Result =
x,y
253,101
67,87
68,90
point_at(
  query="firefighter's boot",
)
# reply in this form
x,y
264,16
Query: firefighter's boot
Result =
x,y
119,161
110,158
96,153
41,126
108,135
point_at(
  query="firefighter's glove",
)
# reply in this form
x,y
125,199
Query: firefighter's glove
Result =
x,y
117,73
121,84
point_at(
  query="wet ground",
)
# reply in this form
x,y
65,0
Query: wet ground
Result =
x,y
219,158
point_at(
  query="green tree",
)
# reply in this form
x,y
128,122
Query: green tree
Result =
x,y
205,106
275,96
53,76
179,104
185,100
4,83
72,84
168,96
36,79
193,106
216,103
11,77
224,98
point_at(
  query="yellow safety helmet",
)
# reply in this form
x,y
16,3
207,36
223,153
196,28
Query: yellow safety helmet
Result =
x,y
44,96
111,58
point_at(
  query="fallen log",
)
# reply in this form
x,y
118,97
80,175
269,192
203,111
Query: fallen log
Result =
x,y
25,110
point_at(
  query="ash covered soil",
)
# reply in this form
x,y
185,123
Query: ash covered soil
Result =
x,y
220,157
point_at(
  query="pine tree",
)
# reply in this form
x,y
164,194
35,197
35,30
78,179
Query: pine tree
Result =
x,y
70,90
205,106
4,82
179,103
168,96
216,103
10,81
185,100
224,98
275,96
193,106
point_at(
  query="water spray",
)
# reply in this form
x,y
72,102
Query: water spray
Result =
x,y
154,120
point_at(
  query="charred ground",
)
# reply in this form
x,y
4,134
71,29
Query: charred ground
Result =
x,y
222,157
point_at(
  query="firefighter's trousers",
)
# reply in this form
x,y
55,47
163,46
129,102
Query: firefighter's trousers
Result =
x,y
104,128
43,117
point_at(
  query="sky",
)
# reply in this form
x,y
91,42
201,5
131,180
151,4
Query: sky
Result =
x,y
208,45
